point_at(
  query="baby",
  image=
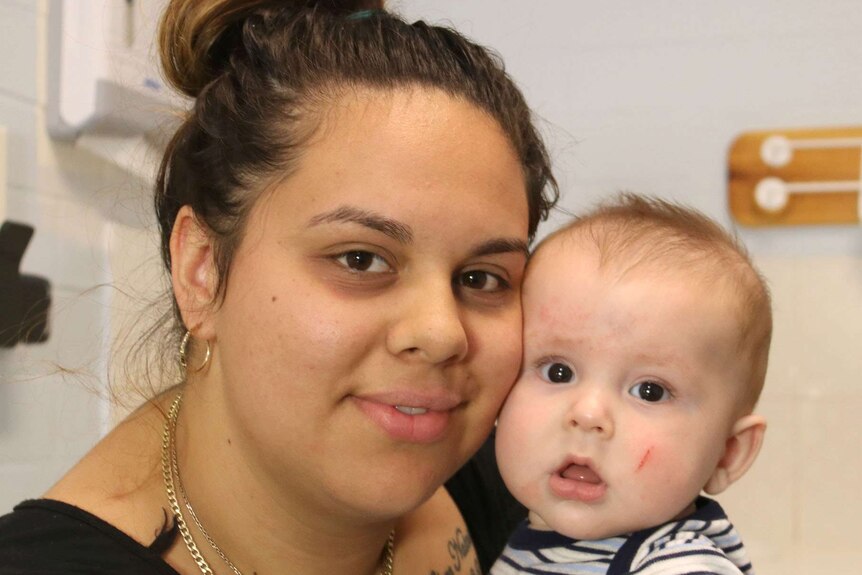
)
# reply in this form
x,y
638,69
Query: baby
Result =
x,y
646,337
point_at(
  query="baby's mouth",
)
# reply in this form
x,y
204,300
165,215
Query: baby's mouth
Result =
x,y
578,482
580,473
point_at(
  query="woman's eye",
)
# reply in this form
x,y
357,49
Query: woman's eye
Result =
x,y
481,281
650,391
557,372
362,261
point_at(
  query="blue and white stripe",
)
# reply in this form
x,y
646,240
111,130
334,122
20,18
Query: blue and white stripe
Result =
x,y
703,543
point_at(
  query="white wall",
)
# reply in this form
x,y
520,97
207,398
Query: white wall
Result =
x,y
647,96
637,95
77,204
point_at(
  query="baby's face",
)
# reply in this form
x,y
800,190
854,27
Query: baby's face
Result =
x,y
626,398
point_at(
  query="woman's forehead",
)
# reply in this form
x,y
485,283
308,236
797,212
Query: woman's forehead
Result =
x,y
415,153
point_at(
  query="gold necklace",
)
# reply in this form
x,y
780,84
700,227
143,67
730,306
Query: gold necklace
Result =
x,y
170,468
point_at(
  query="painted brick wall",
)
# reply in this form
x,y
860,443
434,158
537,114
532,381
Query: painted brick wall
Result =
x,y
48,420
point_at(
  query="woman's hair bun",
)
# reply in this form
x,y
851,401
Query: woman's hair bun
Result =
x,y
196,36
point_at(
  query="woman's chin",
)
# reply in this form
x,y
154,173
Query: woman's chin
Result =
x,y
388,495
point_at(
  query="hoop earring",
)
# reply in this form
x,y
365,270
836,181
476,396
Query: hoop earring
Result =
x,y
184,344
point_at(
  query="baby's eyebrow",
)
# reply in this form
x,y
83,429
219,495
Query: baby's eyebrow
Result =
x,y
396,230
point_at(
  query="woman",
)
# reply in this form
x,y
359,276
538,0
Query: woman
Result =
x,y
345,216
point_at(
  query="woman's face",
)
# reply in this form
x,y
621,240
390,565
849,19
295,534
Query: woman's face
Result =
x,y
371,324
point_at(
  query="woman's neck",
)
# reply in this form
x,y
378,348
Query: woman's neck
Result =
x,y
259,521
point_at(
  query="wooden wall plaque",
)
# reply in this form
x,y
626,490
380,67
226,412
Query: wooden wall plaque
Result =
x,y
791,177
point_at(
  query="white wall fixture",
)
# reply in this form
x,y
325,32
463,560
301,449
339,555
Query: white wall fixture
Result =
x,y
104,89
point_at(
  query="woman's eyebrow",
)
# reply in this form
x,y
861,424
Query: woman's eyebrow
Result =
x,y
501,246
350,214
404,234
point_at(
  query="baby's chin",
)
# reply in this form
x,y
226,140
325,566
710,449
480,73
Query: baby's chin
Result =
x,y
594,526
581,528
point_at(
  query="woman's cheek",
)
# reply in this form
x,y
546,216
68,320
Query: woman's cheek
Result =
x,y
316,321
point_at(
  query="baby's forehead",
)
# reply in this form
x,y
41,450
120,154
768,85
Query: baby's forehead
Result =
x,y
563,245
615,248
574,258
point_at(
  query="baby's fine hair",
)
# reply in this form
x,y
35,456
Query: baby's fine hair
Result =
x,y
634,232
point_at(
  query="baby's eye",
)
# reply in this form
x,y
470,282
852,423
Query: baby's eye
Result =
x,y
481,281
650,391
363,261
557,372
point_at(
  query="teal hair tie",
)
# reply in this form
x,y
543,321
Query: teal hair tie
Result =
x,y
363,14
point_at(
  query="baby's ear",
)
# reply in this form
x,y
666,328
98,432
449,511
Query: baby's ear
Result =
x,y
740,451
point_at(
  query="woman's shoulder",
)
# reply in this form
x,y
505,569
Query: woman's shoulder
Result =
x,y
46,536
489,510
118,482
435,539
464,526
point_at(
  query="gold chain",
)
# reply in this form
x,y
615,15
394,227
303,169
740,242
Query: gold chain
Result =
x,y
168,447
389,554
170,468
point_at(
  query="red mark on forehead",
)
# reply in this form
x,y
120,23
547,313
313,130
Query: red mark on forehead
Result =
x,y
644,459
546,314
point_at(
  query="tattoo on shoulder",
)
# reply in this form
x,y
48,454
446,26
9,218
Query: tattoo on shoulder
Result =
x,y
459,546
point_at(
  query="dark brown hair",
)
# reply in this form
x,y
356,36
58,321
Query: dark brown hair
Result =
x,y
262,71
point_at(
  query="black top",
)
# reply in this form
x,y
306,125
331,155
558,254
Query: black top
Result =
x,y
490,511
46,537
42,537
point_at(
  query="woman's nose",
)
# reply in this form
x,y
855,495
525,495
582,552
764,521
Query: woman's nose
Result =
x,y
590,410
429,326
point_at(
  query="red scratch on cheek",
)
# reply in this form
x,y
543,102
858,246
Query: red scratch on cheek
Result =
x,y
644,459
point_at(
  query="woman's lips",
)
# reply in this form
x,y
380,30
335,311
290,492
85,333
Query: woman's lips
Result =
x,y
578,481
411,410
414,420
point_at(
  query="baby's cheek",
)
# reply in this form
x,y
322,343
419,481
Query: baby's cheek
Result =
x,y
647,472
641,451
658,472
646,463
644,459
517,452
523,481
530,493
